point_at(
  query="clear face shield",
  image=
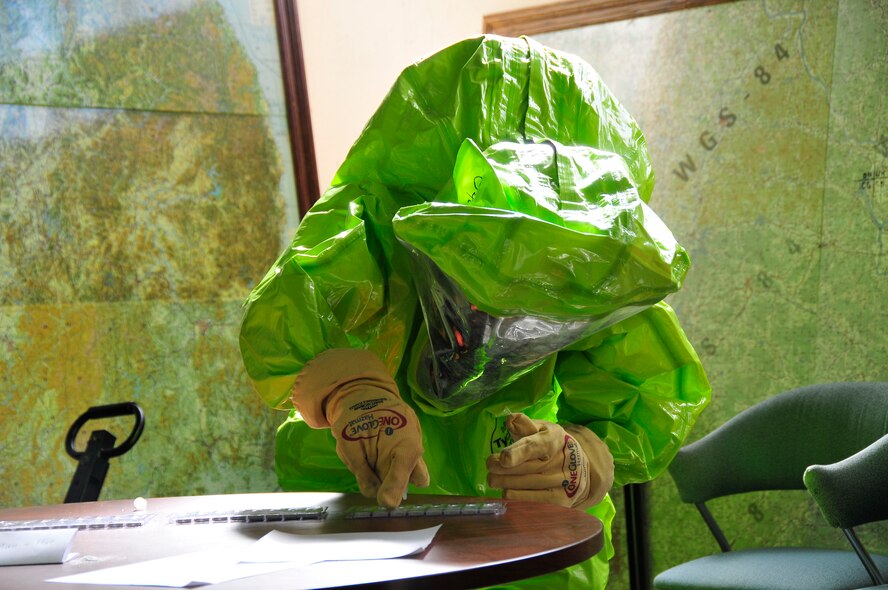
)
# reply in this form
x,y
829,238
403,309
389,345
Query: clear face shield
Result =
x,y
471,354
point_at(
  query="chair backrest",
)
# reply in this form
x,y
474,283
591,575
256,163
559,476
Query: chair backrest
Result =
x,y
769,445
853,491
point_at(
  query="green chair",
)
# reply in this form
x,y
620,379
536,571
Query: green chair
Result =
x,y
769,447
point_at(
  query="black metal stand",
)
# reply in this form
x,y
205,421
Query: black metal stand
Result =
x,y
92,464
635,496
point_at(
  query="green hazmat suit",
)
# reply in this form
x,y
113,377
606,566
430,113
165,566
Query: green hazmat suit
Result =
x,y
488,237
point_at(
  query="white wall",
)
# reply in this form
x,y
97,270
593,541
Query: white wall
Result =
x,y
354,50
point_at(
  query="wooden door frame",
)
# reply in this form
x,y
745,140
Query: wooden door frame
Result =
x,y
296,100
579,13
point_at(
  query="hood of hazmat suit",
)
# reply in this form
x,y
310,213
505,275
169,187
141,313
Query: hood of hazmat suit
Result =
x,y
503,187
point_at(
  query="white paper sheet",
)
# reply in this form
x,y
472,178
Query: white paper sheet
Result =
x,y
279,546
203,567
35,547
275,551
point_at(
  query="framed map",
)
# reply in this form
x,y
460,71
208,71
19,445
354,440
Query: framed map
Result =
x,y
147,182
767,124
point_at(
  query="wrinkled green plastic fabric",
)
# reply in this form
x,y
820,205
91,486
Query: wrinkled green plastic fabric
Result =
x,y
545,230
509,170
531,248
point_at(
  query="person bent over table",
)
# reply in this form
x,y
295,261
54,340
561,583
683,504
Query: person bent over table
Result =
x,y
474,307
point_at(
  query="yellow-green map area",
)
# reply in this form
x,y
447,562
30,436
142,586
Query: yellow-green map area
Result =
x,y
767,123
141,197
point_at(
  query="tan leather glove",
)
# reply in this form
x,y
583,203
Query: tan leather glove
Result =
x,y
568,466
377,434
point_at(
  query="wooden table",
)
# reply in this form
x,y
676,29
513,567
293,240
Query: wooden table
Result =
x,y
529,539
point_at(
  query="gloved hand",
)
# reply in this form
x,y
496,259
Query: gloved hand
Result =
x,y
568,466
377,434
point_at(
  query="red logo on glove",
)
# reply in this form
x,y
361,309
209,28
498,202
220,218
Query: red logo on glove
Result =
x,y
372,424
570,467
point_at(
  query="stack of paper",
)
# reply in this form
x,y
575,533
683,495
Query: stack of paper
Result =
x,y
275,551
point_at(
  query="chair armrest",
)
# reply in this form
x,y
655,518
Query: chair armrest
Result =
x,y
852,491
